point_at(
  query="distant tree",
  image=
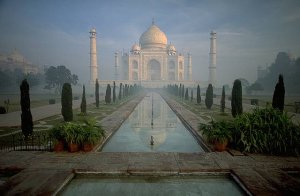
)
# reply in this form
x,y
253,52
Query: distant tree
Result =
x,y
179,92
26,117
83,102
66,102
236,99
223,100
279,93
209,96
114,92
108,94
120,91
182,91
97,93
254,87
198,95
57,76
192,95
186,96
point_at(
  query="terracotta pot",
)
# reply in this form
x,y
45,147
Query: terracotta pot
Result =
x,y
59,146
73,147
220,146
88,147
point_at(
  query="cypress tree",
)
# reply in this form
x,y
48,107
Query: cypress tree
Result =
x,y
192,95
198,95
97,93
182,92
223,100
209,96
120,91
179,92
26,117
278,95
108,94
236,99
114,92
186,96
66,102
83,102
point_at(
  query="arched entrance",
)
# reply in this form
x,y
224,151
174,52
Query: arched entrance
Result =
x,y
154,70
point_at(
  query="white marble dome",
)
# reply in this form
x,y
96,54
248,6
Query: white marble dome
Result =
x,y
153,38
135,47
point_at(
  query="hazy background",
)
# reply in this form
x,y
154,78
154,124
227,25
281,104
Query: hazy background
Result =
x,y
249,32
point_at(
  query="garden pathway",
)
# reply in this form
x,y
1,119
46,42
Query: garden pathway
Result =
x,y
13,119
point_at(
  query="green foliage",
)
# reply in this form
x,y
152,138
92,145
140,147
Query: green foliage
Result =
x,y
83,102
278,96
198,95
266,131
236,99
57,76
223,100
182,92
97,93
66,102
120,91
217,131
108,94
26,117
114,92
209,96
85,131
192,95
186,96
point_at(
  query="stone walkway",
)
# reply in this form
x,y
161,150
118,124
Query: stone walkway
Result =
x,y
44,173
13,119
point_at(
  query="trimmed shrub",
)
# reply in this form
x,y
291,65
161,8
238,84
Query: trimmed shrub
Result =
x,y
97,93
186,96
278,96
120,91
108,94
2,110
209,96
114,92
236,99
254,101
223,100
198,95
66,102
26,117
83,102
51,101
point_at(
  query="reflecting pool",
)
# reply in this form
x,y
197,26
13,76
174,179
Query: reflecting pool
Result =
x,y
152,117
153,186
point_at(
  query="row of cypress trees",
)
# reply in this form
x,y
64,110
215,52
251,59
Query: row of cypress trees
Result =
x,y
236,96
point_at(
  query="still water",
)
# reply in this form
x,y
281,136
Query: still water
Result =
x,y
152,117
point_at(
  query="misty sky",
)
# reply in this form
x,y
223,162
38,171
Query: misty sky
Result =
x,y
249,33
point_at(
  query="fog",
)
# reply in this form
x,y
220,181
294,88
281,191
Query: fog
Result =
x,y
249,33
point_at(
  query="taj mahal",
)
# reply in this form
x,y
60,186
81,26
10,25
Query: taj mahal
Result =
x,y
152,62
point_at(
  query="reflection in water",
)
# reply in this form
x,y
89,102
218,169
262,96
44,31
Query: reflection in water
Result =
x,y
168,132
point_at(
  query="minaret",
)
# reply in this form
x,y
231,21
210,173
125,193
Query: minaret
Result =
x,y
212,58
116,65
189,67
93,57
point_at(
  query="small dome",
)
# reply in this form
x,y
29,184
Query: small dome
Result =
x,y
153,38
171,48
93,30
135,47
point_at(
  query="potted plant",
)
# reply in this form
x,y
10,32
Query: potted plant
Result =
x,y
91,134
217,133
73,135
57,133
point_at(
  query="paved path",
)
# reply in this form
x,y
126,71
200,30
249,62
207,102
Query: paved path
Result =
x,y
13,119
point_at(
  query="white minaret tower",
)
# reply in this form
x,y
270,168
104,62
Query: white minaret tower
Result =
x,y
93,57
116,65
189,67
212,58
